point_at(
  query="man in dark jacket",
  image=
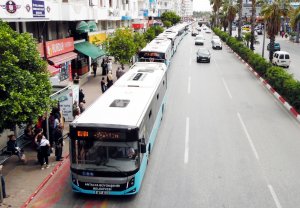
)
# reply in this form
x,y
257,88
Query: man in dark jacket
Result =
x,y
58,139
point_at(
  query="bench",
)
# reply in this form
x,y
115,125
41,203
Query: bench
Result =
x,y
22,141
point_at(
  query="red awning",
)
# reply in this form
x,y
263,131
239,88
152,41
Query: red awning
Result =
x,y
138,25
56,60
53,71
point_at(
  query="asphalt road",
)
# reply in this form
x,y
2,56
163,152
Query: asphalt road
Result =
x,y
224,142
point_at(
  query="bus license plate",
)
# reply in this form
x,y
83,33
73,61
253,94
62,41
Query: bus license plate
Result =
x,y
102,192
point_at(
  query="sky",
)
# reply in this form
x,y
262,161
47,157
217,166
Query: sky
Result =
x,y
201,5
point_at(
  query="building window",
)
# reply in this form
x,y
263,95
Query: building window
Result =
x,y
110,3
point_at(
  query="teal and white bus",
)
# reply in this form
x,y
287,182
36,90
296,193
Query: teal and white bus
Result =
x,y
110,142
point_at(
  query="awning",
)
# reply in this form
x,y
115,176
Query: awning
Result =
x,y
82,27
56,60
126,18
89,49
52,70
92,26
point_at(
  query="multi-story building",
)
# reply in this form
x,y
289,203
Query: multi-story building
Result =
x,y
186,8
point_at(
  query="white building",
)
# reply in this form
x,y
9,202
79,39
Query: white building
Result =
x,y
186,8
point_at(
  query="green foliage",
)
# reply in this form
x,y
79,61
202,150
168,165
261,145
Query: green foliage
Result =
x,y
24,81
276,76
167,23
121,45
152,32
139,41
171,17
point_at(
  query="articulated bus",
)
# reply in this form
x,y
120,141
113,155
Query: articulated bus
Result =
x,y
110,142
172,35
158,50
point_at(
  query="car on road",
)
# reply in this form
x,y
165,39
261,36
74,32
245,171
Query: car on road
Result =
x,y
216,43
208,30
195,33
203,55
199,40
259,31
281,58
276,47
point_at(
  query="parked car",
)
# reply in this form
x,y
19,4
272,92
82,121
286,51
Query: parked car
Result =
x,y
281,58
216,43
276,47
195,33
203,55
259,31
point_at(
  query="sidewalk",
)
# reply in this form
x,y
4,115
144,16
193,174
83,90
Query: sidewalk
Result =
x,y
22,180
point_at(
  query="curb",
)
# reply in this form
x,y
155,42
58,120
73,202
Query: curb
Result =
x,y
291,109
44,182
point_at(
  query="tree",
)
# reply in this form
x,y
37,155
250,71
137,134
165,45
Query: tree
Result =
x,y
170,16
272,14
240,9
152,32
25,88
294,21
167,23
231,16
253,20
139,41
121,45
216,7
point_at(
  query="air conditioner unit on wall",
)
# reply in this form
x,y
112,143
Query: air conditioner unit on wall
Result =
x,y
93,2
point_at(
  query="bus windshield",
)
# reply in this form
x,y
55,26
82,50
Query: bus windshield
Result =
x,y
105,156
155,56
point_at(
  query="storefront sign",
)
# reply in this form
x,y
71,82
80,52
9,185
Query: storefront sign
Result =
x,y
57,47
11,7
65,99
98,38
38,8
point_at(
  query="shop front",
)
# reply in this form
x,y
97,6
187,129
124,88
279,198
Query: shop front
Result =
x,y
59,54
87,53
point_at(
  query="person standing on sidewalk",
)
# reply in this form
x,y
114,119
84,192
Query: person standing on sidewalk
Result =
x,y
110,80
43,149
103,85
58,139
4,195
109,65
104,67
94,65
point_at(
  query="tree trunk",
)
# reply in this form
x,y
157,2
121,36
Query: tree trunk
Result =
x,y
240,20
253,17
271,52
298,31
230,28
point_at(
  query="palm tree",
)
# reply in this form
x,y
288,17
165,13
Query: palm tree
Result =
x,y
216,7
285,10
230,16
295,21
253,20
240,8
272,14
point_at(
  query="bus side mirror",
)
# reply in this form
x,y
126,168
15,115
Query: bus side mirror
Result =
x,y
143,148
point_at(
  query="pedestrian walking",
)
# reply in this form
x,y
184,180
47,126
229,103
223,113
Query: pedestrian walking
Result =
x,y
104,68
109,79
120,71
81,96
94,65
81,107
103,85
58,139
44,150
109,65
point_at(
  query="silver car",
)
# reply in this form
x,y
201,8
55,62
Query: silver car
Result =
x,y
216,43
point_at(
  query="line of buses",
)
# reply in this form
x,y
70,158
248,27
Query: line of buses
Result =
x,y
111,141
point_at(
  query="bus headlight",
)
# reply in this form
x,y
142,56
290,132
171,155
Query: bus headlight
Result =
x,y
130,183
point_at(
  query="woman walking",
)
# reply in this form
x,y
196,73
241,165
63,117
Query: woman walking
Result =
x,y
43,145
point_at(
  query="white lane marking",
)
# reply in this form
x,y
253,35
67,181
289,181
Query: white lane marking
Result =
x,y
227,89
189,86
248,136
186,151
276,200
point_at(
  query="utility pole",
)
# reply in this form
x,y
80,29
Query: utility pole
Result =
x,y
264,38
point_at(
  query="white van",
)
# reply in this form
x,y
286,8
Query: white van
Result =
x,y
281,58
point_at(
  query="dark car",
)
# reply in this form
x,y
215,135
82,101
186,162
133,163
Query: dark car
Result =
x,y
203,55
276,47
195,33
